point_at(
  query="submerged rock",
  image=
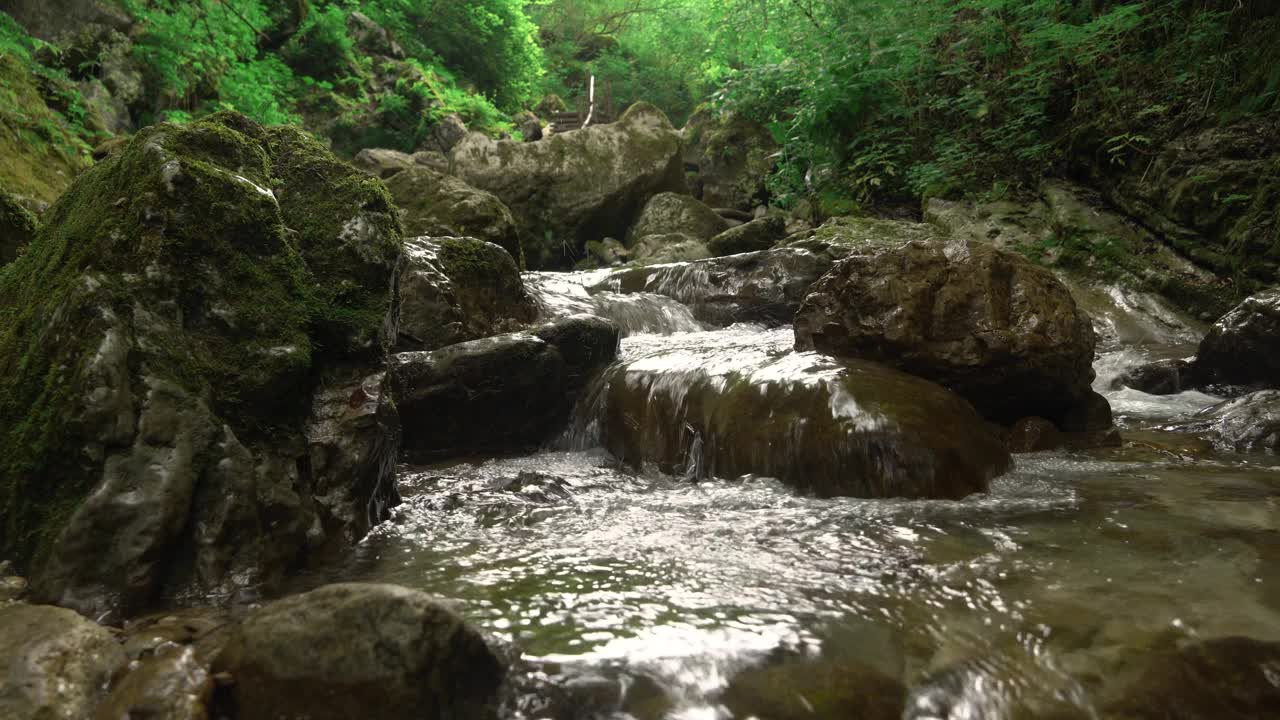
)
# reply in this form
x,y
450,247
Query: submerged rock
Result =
x,y
454,289
764,287
802,689
504,393
1243,347
1230,678
434,204
1246,424
166,335
1001,332
731,404
576,186
754,236
670,213
355,650
1162,377
55,664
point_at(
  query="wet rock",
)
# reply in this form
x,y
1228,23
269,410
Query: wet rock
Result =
x,y
1246,424
504,393
437,205
356,650
1162,377
201,282
1034,434
754,236
605,253
529,125
1243,347
671,213
811,688
727,406
578,186
841,235
764,287
671,248
17,227
172,684
458,289
12,587
55,664
1225,678
733,156
381,162
1001,332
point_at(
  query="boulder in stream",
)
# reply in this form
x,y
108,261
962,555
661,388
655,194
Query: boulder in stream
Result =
x,y
735,402
434,204
1243,347
55,664
1246,424
1162,377
360,650
499,394
454,289
669,212
167,333
1000,331
576,186
754,236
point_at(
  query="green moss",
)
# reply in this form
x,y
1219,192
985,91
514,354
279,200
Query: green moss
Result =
x,y
17,227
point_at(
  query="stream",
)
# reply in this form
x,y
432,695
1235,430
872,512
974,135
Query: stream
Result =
x,y
646,595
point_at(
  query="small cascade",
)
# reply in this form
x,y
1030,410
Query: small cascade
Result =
x,y
740,401
564,294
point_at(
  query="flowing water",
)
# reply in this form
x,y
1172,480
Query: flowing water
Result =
x,y
648,595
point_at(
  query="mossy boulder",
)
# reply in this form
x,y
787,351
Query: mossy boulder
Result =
x,y
668,213
434,204
160,345
754,236
577,186
458,289
668,248
1002,332
17,227
733,156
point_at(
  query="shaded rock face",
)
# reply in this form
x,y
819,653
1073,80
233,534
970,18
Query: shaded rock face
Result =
x,y
733,156
447,133
499,394
458,289
55,664
670,213
355,650
765,287
1243,347
170,326
529,125
1214,195
1246,424
1002,332
577,186
1163,377
17,227
732,407
1034,434
1230,678
754,236
432,203
381,162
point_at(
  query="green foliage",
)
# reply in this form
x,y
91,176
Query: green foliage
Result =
x,y
322,48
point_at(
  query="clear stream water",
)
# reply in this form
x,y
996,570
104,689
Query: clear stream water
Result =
x,y
659,594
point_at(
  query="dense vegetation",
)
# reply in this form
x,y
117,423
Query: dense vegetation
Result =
x,y
874,102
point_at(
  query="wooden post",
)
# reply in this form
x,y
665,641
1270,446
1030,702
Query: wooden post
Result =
x,y
591,101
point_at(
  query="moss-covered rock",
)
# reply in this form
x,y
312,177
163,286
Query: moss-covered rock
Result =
x,y
733,156
576,186
458,289
668,248
17,227
159,346
434,204
668,213
754,236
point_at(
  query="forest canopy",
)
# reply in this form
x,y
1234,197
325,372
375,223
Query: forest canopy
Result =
x,y
870,101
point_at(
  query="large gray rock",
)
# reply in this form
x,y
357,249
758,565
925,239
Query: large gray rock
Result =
x,y
763,287
1246,424
1000,331
51,20
355,650
188,316
733,156
578,186
754,236
668,213
458,289
56,665
432,203
669,248
1243,347
505,393
382,162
